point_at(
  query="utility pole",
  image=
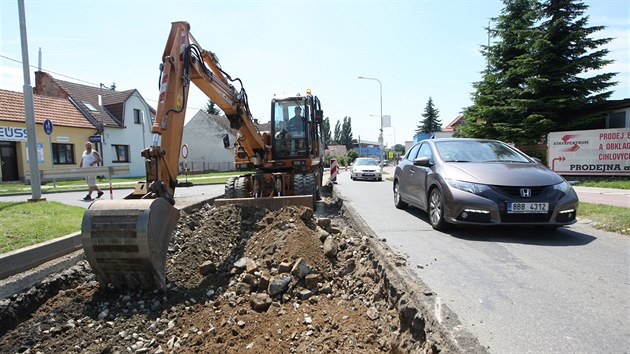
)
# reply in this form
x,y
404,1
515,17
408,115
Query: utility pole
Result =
x,y
29,112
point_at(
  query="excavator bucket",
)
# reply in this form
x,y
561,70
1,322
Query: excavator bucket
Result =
x,y
271,203
125,241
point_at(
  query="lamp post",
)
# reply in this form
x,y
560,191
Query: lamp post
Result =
x,y
380,85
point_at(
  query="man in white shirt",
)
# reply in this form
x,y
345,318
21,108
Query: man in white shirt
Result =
x,y
91,158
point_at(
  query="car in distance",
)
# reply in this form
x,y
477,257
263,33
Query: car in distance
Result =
x,y
481,182
366,168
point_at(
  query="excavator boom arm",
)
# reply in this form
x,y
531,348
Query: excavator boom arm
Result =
x,y
184,61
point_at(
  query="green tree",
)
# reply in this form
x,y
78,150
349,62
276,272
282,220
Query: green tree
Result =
x,y
326,135
535,78
498,110
399,148
212,108
430,123
345,136
566,51
337,133
352,155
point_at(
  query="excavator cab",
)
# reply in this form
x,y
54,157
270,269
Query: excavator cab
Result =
x,y
290,129
295,127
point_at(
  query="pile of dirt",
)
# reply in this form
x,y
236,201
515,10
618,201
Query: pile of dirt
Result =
x,y
240,279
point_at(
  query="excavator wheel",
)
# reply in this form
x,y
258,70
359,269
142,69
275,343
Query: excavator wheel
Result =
x,y
243,187
229,188
125,241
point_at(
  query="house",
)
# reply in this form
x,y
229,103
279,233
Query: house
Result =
x,y
121,120
203,136
61,149
618,113
451,128
336,150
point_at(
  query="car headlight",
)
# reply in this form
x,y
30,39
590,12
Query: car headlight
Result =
x,y
563,187
474,188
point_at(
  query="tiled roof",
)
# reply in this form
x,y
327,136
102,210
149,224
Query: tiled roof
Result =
x,y
59,110
112,101
225,123
110,114
452,125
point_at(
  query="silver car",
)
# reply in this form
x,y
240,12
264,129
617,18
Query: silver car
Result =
x,y
366,168
481,182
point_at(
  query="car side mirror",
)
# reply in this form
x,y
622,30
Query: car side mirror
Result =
x,y
423,161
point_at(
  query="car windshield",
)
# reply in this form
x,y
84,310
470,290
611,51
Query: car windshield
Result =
x,y
366,162
478,151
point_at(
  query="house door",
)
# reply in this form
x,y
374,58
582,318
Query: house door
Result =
x,y
8,160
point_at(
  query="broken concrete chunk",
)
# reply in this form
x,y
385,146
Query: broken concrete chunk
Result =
x,y
330,247
241,263
300,268
260,302
279,284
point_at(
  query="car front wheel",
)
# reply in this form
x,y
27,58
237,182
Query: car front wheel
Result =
x,y
436,210
398,202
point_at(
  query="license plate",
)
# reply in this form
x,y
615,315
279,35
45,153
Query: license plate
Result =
x,y
534,208
368,175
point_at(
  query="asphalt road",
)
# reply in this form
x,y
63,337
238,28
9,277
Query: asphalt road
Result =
x,y
517,290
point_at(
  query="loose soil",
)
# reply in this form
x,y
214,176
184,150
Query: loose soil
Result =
x,y
240,279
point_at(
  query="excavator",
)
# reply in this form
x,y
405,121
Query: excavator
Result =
x,y
126,241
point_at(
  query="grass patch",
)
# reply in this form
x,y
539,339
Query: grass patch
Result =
x,y
79,184
601,182
25,224
606,217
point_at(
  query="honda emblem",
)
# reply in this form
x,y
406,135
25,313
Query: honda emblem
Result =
x,y
526,192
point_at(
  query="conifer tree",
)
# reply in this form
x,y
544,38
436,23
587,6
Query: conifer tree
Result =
x,y
431,122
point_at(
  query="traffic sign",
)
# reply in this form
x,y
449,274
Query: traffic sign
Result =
x,y
185,151
48,126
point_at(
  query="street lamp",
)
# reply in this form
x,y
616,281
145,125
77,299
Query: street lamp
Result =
x,y
381,130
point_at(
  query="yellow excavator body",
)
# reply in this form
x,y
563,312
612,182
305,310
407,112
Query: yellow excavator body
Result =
x,y
126,241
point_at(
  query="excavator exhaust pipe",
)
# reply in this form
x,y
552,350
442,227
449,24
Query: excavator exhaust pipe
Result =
x,y
126,241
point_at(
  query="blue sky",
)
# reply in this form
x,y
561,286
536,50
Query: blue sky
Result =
x,y
416,48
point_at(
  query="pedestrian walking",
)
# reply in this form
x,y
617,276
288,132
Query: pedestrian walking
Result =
x,y
91,158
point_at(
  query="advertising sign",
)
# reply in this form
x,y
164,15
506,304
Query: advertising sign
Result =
x,y
590,152
40,153
12,133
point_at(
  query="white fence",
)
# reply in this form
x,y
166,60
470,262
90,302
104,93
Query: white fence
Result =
x,y
81,172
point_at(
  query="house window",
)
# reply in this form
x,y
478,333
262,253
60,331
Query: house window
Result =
x,y
120,153
136,116
617,119
63,154
89,106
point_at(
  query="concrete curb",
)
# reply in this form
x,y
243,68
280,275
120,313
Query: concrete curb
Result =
x,y
421,311
33,256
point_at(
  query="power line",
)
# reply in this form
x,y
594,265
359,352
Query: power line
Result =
x,y
70,77
59,74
